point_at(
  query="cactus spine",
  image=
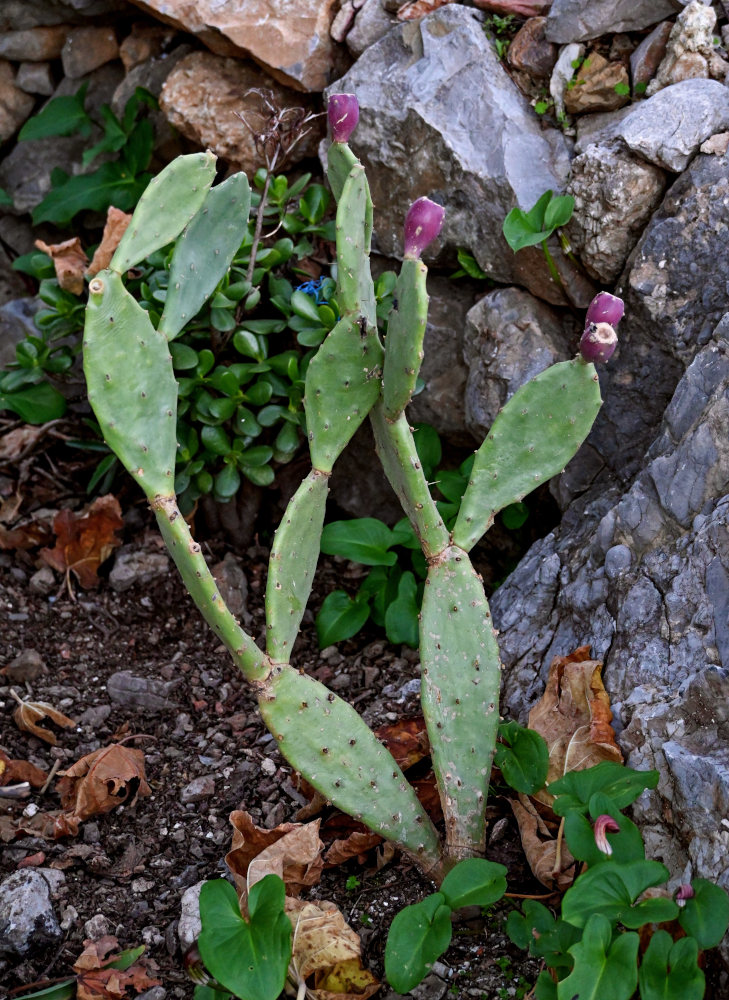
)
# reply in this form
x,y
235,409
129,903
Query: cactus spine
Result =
x,y
350,377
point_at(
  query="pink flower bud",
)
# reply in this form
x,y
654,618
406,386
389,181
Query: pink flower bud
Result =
x,y
343,114
683,893
605,308
422,225
598,342
603,825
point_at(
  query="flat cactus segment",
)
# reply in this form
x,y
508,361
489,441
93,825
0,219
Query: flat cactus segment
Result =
x,y
293,561
340,160
355,290
131,384
532,439
396,450
342,385
405,333
203,589
168,204
204,251
323,737
460,695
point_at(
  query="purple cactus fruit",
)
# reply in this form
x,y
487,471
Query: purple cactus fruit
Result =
x,y
422,225
605,308
598,342
603,825
343,114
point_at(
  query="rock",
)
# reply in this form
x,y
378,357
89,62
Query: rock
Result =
x,y
35,78
145,42
520,8
564,68
292,40
669,127
343,21
33,44
417,88
579,20
203,95
16,323
18,15
717,144
15,104
530,52
510,337
189,926
198,789
25,173
690,47
358,493
145,693
615,195
86,49
599,86
97,927
26,666
645,578
233,586
645,60
28,921
42,581
370,25
131,568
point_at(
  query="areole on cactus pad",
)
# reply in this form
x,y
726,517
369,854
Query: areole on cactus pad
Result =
x,y
134,395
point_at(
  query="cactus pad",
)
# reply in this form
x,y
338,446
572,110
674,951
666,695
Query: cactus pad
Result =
x,y
405,333
532,439
131,384
355,291
293,561
460,694
170,201
204,252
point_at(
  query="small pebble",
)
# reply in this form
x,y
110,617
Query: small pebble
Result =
x,y
26,666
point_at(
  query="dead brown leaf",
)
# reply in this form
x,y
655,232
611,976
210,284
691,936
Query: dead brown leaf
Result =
x,y
540,847
101,781
406,739
69,261
49,825
16,442
574,717
98,981
359,842
20,770
291,850
26,536
84,541
29,713
10,506
115,227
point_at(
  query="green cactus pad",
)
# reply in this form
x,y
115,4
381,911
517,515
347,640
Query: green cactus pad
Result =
x,y
399,457
460,695
355,290
131,384
340,160
532,439
204,251
324,738
170,201
405,333
293,561
342,385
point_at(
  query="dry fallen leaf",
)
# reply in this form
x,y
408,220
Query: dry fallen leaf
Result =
x,y
291,850
69,261
29,713
574,717
20,770
406,739
84,541
26,536
96,980
115,227
101,781
18,441
540,847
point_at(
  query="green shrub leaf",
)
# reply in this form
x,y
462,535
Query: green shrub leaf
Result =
x,y
522,757
364,540
418,936
670,971
340,618
474,882
604,969
706,916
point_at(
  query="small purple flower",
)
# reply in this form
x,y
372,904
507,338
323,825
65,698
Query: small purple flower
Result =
x,y
683,893
343,114
598,342
605,308
422,225
603,825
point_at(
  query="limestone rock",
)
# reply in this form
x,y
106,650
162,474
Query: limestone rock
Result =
x,y
579,20
133,567
520,8
530,52
371,23
33,44
15,104
85,49
290,38
202,95
35,78
28,920
690,47
17,15
439,116
510,337
595,86
615,195
143,43
646,58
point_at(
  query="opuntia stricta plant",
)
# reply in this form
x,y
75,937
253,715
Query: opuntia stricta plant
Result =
x,y
134,395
